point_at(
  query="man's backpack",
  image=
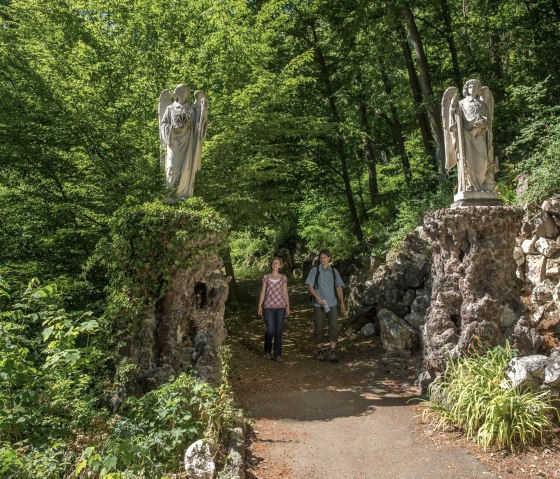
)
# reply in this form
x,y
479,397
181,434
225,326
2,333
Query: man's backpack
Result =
x,y
316,282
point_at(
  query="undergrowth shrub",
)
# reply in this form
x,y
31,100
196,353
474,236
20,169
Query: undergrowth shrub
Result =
x,y
53,384
469,396
151,436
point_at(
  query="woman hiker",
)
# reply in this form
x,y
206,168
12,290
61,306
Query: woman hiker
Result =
x,y
275,303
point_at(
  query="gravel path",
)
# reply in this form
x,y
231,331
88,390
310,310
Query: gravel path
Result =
x,y
355,419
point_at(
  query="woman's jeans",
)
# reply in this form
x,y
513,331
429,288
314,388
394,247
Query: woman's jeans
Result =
x,y
274,326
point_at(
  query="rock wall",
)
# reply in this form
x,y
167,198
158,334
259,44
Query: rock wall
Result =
x,y
391,295
537,254
478,257
475,292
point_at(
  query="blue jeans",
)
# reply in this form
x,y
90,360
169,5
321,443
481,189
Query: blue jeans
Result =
x,y
274,322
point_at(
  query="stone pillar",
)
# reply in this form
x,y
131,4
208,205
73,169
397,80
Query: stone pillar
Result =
x,y
475,291
168,291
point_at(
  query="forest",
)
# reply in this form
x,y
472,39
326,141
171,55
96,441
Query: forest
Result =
x,y
324,131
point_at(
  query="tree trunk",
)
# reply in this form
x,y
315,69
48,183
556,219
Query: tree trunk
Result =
x,y
329,91
446,13
396,129
228,265
417,97
369,150
434,113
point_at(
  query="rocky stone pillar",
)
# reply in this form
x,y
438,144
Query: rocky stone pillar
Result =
x,y
168,291
475,291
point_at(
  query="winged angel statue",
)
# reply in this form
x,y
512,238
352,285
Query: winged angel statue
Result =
x,y
182,130
467,127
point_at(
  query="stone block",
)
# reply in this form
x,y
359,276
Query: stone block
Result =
x,y
528,246
409,296
542,292
415,319
546,247
552,269
421,304
556,295
526,372
551,206
545,225
536,268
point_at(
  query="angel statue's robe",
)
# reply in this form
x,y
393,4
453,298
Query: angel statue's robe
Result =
x,y
182,131
476,143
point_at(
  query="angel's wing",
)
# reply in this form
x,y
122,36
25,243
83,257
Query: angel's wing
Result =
x,y
165,99
200,124
448,106
488,99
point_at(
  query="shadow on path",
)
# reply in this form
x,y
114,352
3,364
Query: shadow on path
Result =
x,y
348,420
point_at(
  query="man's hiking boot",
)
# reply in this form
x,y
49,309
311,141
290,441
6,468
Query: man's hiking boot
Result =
x,y
320,355
267,356
333,358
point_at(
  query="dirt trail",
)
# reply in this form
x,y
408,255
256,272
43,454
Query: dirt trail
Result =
x,y
348,420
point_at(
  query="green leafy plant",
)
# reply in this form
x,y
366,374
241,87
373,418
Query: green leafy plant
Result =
x,y
469,396
154,430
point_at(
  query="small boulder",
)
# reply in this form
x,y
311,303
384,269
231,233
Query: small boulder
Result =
x,y
552,269
546,247
528,246
552,206
368,329
552,371
542,292
526,372
198,461
536,268
397,336
508,317
519,255
546,226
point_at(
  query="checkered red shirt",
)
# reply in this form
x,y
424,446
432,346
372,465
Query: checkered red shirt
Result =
x,y
274,297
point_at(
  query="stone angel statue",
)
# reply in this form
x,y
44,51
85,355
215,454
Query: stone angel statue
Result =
x,y
182,131
467,126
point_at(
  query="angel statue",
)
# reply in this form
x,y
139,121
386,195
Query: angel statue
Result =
x,y
182,130
467,125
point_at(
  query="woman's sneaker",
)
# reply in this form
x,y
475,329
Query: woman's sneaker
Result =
x,y
320,355
278,359
333,358
267,356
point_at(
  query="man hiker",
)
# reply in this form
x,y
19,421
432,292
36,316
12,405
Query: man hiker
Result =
x,y
325,285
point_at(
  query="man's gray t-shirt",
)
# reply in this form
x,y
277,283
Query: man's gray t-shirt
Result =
x,y
325,287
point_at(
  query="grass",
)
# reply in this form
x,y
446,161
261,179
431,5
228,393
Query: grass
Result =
x,y
472,397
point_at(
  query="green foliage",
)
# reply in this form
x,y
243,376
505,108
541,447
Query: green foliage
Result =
x,y
148,243
535,151
150,438
51,366
469,396
411,211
